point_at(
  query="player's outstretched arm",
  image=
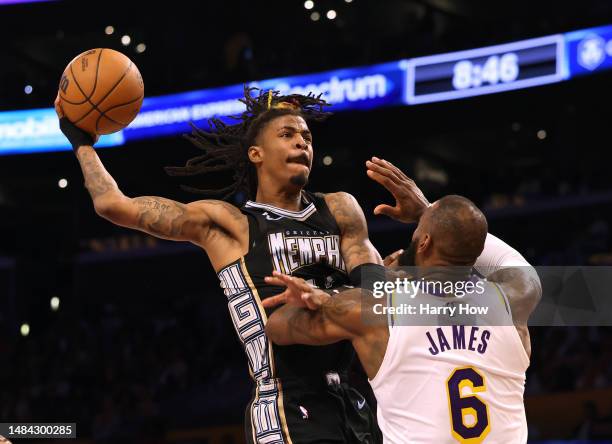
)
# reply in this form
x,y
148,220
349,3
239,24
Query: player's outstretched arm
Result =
x,y
157,216
310,316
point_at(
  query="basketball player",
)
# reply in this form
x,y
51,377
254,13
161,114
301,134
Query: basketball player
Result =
x,y
439,384
300,393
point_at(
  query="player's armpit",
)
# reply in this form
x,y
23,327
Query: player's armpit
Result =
x,y
355,245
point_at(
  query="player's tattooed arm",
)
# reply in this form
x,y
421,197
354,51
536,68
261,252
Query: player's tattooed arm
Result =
x,y
313,317
355,245
160,217
97,180
336,318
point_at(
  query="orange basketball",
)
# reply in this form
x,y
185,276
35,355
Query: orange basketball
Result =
x,y
101,91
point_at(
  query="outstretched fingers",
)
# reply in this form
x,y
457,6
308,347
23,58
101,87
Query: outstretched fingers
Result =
x,y
390,184
392,258
273,301
273,280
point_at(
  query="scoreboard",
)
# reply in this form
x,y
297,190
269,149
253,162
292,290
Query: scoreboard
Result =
x,y
485,70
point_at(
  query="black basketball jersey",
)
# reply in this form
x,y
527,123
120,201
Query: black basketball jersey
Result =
x,y
302,243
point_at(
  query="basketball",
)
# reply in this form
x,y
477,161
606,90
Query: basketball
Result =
x,y
101,91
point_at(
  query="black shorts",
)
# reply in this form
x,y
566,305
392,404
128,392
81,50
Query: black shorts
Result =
x,y
315,413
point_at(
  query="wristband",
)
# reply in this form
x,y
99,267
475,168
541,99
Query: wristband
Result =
x,y
75,135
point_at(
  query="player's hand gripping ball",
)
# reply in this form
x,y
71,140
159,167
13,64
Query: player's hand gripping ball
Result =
x,y
101,91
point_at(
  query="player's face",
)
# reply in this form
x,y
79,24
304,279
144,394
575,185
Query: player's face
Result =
x,y
285,150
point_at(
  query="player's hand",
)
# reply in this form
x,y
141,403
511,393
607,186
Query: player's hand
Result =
x,y
392,260
298,292
3,440
76,136
409,199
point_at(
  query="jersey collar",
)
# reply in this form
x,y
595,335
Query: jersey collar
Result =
x,y
297,215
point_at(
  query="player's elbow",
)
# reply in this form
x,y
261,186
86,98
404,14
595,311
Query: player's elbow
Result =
x,y
275,331
104,207
110,208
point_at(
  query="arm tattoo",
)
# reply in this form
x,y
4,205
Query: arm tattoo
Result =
x,y
332,322
335,308
343,211
333,311
232,211
97,179
355,245
161,216
299,322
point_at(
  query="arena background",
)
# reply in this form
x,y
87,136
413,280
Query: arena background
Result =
x,y
138,346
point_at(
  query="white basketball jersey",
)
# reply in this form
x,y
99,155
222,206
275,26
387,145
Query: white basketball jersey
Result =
x,y
456,383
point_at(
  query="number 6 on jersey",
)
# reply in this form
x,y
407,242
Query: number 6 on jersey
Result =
x,y
469,415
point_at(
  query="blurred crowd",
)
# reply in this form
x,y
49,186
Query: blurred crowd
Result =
x,y
129,374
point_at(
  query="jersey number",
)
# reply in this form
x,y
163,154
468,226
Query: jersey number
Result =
x,y
469,414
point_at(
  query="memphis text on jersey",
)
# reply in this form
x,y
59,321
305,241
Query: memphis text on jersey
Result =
x,y
294,249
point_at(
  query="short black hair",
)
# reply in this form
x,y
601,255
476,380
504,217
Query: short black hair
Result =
x,y
225,146
460,227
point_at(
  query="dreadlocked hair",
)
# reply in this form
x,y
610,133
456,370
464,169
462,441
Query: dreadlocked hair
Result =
x,y
226,146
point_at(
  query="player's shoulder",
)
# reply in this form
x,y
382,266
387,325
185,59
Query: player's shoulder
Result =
x,y
340,199
336,195
516,281
522,287
344,207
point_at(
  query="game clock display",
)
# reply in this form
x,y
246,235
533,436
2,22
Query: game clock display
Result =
x,y
485,70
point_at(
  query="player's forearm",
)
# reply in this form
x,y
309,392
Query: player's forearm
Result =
x,y
101,186
97,180
336,318
289,325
